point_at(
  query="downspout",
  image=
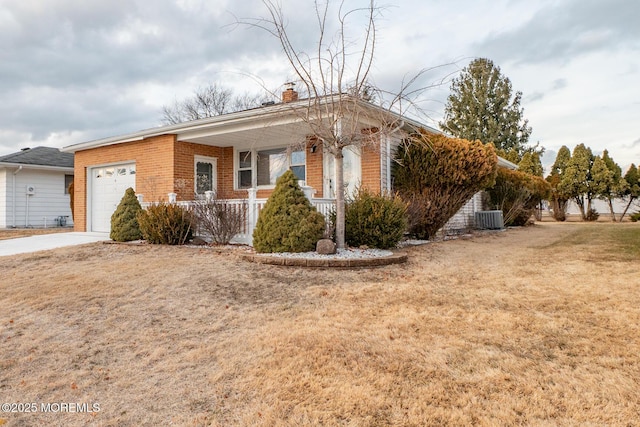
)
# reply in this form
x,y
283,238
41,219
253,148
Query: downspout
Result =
x,y
14,194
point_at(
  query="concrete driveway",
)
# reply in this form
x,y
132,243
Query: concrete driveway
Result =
x,y
44,242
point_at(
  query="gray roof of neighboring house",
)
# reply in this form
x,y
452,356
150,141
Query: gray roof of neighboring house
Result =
x,y
40,156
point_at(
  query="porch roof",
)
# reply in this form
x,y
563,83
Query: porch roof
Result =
x,y
278,122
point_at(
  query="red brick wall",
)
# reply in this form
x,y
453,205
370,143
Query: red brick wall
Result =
x,y
184,172
371,158
315,177
154,159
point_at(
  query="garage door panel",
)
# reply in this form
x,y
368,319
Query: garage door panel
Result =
x,y
108,185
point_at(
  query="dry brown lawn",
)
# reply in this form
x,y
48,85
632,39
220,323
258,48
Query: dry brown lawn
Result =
x,y
535,326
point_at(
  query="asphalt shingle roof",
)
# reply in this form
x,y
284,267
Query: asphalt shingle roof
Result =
x,y
43,156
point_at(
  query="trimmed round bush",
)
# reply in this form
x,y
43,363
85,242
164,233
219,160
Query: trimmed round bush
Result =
x,y
124,221
288,222
377,221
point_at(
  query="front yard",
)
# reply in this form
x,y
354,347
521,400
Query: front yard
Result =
x,y
532,326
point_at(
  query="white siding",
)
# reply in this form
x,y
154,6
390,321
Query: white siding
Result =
x,y
3,199
602,206
387,159
464,219
48,202
388,148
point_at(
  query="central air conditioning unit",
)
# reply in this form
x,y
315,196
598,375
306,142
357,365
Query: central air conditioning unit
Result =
x,y
31,190
489,220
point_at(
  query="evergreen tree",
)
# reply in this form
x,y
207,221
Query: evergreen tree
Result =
x,y
577,180
558,199
482,107
531,164
436,175
288,222
124,221
631,191
608,181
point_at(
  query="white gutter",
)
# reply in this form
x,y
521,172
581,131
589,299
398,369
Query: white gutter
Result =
x,y
14,194
38,167
506,164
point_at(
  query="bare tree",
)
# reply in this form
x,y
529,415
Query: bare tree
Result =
x,y
209,101
220,219
336,77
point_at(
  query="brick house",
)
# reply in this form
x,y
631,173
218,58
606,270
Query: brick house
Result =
x,y
235,155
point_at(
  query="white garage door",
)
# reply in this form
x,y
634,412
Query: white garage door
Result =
x,y
108,185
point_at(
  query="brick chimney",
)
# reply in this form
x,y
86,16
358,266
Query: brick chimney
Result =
x,y
289,94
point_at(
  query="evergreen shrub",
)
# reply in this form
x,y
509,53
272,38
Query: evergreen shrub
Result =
x,y
518,194
437,175
635,217
592,215
288,222
377,221
166,224
124,221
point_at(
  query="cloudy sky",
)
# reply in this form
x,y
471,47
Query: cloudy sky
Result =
x,y
73,70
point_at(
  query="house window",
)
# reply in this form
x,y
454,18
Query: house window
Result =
x,y
245,175
298,164
269,165
68,179
205,174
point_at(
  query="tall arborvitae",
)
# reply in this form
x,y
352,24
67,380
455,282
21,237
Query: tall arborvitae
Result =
x,y
124,221
558,199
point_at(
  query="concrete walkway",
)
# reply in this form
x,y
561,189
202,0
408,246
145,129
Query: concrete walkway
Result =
x,y
22,245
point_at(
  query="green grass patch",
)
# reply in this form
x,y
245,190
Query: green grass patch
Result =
x,y
616,240
627,238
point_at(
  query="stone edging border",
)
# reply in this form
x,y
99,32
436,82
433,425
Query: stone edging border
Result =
x,y
396,258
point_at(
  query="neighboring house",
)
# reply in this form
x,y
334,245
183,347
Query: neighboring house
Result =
x,y
602,207
34,188
238,155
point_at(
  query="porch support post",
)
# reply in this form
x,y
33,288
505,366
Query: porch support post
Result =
x,y
308,192
252,214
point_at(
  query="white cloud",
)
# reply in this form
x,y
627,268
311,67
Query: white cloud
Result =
x,y
71,70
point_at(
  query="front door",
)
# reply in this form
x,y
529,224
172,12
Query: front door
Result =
x,y
206,174
352,172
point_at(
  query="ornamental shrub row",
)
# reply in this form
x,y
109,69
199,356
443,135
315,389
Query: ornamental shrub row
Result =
x,y
287,223
161,223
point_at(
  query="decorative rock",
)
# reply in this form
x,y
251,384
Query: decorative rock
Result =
x,y
199,241
326,247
